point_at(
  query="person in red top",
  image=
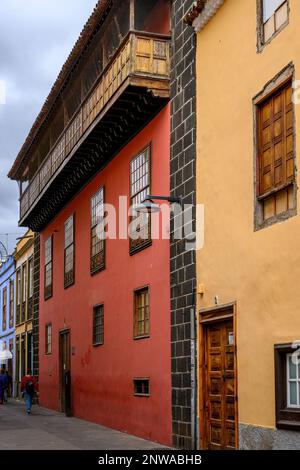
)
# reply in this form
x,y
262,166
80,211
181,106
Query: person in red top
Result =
x,y
28,388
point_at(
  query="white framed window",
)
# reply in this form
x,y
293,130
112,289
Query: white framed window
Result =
x,y
274,16
269,8
293,380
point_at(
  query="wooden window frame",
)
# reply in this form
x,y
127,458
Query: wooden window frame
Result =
x,y
29,285
4,308
11,302
48,289
286,417
97,261
145,334
261,42
18,357
48,346
97,343
277,84
69,277
18,295
137,245
24,286
143,381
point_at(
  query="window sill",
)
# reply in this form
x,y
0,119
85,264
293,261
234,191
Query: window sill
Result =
x,y
69,284
142,246
96,345
288,425
141,395
141,337
264,196
275,219
97,270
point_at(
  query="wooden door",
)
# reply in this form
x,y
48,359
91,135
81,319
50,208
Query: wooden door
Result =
x,y
65,372
220,396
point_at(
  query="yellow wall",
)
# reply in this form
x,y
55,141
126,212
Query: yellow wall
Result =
x,y
260,270
24,250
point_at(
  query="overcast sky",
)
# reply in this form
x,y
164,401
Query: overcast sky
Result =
x,y
36,37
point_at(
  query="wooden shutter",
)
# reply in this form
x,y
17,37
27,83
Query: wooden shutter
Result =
x,y
276,141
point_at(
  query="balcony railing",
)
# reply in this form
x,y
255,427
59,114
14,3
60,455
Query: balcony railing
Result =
x,y
142,55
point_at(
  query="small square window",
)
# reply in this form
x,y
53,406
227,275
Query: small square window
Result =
x,y
141,387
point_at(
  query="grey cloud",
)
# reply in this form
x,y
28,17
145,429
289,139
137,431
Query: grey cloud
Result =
x,y
36,37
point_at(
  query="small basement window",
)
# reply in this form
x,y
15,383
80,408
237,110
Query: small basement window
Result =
x,y
141,387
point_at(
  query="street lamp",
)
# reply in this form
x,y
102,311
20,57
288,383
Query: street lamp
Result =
x,y
148,206
3,253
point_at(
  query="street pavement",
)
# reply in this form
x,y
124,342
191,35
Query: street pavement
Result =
x,y
48,430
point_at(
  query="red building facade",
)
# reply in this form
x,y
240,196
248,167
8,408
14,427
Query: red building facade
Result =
x,y
103,376
102,308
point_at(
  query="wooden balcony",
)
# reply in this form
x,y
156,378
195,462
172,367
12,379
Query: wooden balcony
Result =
x,y
130,91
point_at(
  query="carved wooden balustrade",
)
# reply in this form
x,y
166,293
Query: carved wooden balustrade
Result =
x,y
143,60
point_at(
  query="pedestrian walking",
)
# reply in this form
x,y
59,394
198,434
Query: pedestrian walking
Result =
x,y
2,386
8,386
28,388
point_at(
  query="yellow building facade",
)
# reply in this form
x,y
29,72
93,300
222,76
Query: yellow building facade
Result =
x,y
24,308
248,147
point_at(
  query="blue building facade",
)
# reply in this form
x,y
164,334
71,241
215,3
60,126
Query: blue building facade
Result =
x,y
7,311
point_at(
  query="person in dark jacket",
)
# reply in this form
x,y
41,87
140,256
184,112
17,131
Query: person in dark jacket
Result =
x,y
28,388
7,386
2,386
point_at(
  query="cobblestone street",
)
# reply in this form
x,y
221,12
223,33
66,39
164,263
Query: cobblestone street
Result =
x,y
49,430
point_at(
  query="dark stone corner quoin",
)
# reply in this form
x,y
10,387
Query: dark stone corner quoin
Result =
x,y
182,264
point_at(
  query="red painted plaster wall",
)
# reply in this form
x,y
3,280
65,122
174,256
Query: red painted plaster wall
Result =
x,y
102,377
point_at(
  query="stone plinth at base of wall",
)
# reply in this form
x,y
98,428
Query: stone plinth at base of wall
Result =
x,y
259,438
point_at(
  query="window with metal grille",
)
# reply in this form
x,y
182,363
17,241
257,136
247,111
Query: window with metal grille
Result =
x,y
69,275
140,224
48,287
4,303
141,313
98,325
48,342
275,162
11,304
141,387
97,261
